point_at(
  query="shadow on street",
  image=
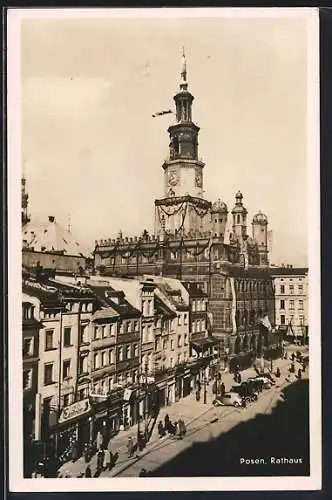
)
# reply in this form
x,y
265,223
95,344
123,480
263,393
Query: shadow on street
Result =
x,y
283,434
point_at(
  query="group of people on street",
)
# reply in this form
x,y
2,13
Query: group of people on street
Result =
x,y
177,429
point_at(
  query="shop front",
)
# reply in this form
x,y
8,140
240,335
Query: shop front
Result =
x,y
72,430
187,383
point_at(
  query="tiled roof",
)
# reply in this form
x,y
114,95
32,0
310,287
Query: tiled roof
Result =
x,y
105,313
194,289
289,271
123,307
51,237
164,307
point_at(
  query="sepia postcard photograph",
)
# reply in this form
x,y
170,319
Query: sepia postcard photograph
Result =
x,y
163,249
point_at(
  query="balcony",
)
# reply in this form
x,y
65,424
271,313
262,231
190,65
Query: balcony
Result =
x,y
104,342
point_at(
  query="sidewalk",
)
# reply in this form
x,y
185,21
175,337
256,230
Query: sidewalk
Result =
x,y
187,408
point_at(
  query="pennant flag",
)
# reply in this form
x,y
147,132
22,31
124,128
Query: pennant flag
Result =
x,y
160,113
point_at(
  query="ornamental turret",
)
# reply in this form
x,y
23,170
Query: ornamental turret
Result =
x,y
219,212
239,213
260,235
24,202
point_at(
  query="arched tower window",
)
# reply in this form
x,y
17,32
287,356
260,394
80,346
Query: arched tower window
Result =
x,y
238,219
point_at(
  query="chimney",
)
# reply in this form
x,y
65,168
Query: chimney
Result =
x,y
51,218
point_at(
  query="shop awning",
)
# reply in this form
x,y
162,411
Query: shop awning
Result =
x,y
204,342
285,329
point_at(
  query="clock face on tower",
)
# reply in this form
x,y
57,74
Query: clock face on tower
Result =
x,y
198,179
173,178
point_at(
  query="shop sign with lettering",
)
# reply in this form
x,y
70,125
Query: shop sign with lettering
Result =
x,y
75,410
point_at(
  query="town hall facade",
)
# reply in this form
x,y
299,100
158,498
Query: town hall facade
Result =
x,y
196,240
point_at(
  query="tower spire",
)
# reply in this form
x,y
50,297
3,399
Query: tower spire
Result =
x,y
184,83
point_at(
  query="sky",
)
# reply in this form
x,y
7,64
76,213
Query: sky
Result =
x,y
92,152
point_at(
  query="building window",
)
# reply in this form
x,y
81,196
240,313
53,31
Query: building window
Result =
x,y
301,318
103,332
186,339
171,362
136,350
179,320
282,319
27,379
172,345
128,352
194,305
291,319
96,361
84,334
291,304
66,399
120,354
111,356
83,364
66,369
67,337
103,359
28,347
238,219
300,289
179,340
300,304
282,304
291,289
48,374
96,332
113,329
165,344
282,289
49,339
185,319
179,358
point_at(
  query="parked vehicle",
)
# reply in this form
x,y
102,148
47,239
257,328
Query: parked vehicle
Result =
x,y
228,399
270,377
267,384
246,390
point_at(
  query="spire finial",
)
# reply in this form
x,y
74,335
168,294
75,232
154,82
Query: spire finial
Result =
x,y
184,84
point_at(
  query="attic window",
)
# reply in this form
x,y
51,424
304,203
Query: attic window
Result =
x,y
45,230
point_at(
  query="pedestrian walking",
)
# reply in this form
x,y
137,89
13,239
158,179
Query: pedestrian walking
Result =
x,y
99,440
88,472
161,430
100,460
107,459
182,428
166,420
130,447
222,389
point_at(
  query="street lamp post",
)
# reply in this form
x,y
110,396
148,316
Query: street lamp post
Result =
x,y
204,381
